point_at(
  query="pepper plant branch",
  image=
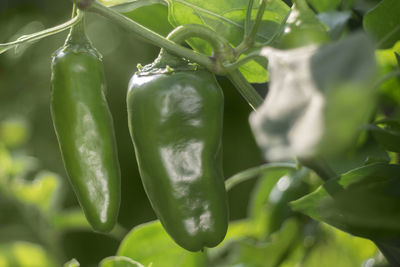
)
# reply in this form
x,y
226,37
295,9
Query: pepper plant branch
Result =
x,y
254,172
245,89
253,55
247,22
42,34
249,38
219,44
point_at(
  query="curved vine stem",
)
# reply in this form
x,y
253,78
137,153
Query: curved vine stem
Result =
x,y
42,34
254,172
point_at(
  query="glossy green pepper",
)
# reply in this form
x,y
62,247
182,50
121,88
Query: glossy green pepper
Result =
x,y
175,121
84,129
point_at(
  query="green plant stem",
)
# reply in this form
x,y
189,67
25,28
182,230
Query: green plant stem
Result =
x,y
235,65
254,172
245,89
42,34
247,22
222,51
249,38
150,36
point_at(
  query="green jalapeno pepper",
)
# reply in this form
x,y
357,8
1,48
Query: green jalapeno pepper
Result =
x,y
175,121
84,129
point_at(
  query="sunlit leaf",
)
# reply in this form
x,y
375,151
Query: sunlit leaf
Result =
x,y
310,108
364,202
119,261
383,23
226,18
149,243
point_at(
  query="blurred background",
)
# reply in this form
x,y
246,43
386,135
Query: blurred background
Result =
x,y
29,152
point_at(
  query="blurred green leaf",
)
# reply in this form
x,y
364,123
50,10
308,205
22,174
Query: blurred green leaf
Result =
x,y
302,27
325,5
149,243
364,202
383,23
336,21
339,249
24,254
387,62
119,261
73,219
227,19
42,192
6,164
14,132
250,253
72,263
398,63
388,136
318,99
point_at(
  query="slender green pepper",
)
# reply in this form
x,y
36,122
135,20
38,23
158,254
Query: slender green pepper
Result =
x,y
84,129
175,121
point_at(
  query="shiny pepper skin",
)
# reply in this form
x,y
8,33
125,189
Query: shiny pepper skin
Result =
x,y
84,129
175,121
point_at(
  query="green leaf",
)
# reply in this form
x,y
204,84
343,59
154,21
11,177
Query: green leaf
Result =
x,y
336,21
364,202
325,5
340,248
388,136
226,17
119,261
70,220
310,108
153,14
24,254
149,243
248,252
154,17
302,28
42,192
387,62
72,263
383,23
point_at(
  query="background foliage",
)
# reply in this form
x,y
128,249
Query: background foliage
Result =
x,y
40,221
